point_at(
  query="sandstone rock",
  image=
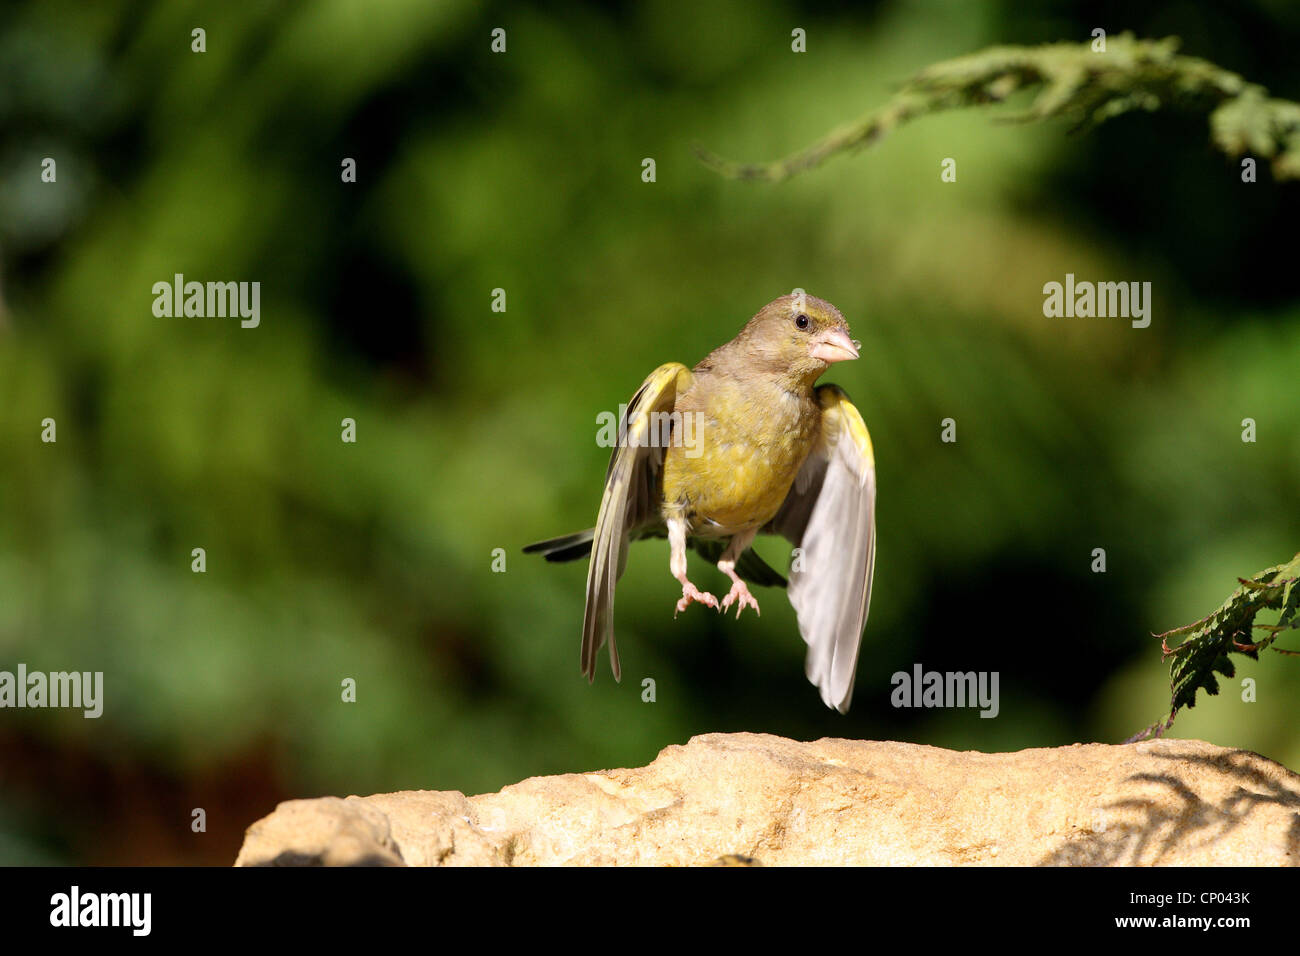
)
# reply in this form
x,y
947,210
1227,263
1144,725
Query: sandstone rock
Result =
x,y
324,832
763,800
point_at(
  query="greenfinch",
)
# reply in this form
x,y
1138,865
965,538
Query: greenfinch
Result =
x,y
743,443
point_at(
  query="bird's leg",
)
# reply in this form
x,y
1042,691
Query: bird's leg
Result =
x,y
677,564
739,592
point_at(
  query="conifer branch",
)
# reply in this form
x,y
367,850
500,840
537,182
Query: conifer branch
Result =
x,y
1075,82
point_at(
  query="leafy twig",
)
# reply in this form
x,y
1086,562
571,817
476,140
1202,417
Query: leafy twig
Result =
x,y
1206,643
1076,83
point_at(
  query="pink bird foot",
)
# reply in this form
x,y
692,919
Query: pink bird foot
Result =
x,y
739,594
690,594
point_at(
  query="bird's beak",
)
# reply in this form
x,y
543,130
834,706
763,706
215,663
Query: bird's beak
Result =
x,y
833,346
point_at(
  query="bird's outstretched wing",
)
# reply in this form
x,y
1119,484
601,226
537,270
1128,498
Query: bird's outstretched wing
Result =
x,y
631,499
830,513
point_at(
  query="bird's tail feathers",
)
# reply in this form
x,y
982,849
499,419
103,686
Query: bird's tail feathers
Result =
x,y
567,547
750,566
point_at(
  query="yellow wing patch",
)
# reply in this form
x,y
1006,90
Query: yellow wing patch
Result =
x,y
672,378
841,417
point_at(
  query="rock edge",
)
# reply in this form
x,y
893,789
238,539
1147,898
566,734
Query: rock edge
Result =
x,y
755,798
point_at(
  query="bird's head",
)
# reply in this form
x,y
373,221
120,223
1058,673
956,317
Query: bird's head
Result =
x,y
797,337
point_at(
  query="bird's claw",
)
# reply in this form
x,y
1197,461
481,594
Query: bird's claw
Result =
x,y
739,594
692,594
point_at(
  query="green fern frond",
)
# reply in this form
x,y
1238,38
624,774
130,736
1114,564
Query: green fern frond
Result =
x,y
1206,644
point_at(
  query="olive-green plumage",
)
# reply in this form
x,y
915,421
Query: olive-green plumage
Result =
x,y
751,446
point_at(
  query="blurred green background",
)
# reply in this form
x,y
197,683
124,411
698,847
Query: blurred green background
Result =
x,y
476,430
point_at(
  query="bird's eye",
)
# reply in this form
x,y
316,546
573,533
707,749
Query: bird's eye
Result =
x,y
802,321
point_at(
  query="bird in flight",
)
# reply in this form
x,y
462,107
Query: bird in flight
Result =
x,y
746,443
